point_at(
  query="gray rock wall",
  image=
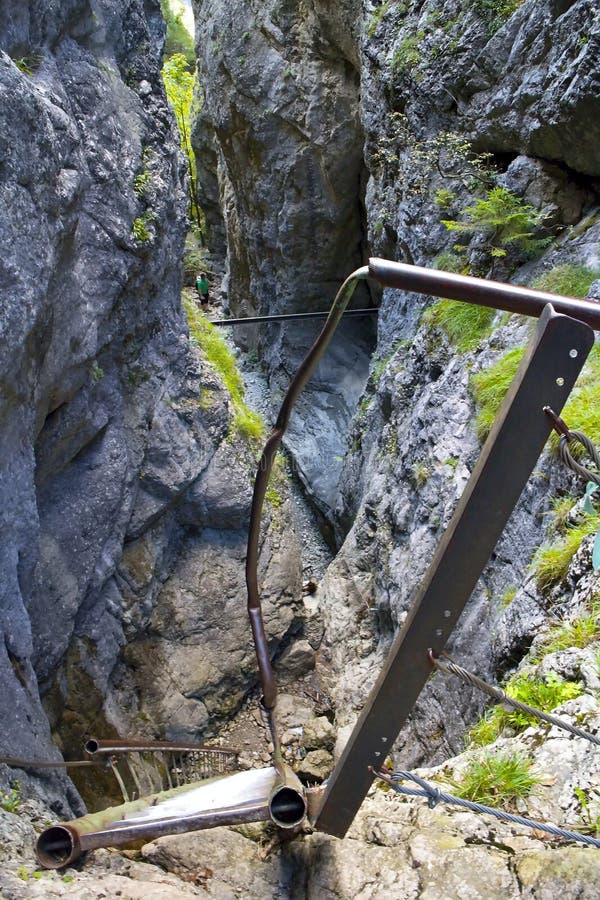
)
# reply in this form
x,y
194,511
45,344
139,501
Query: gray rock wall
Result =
x,y
439,83
123,529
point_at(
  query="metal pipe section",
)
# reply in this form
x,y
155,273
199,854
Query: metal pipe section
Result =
x,y
509,297
94,746
284,317
307,367
252,796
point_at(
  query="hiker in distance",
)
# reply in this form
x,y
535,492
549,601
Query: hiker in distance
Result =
x,y
202,288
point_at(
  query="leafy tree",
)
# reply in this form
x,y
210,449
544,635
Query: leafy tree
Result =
x,y
179,85
178,39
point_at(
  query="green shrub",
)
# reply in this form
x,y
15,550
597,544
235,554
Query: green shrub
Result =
x,y
489,388
544,694
141,183
551,562
568,279
244,421
464,324
11,800
506,218
496,779
496,12
140,230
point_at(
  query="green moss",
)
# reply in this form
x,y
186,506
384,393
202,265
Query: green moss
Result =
x,y
244,421
496,779
464,324
489,388
551,562
544,694
568,279
377,15
507,597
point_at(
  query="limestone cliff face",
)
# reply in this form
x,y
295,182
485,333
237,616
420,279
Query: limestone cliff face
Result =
x,y
427,85
279,144
117,492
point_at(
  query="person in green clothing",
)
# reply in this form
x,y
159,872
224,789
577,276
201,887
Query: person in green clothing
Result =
x,y
202,288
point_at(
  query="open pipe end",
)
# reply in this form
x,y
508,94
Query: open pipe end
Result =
x,y
57,846
91,746
287,807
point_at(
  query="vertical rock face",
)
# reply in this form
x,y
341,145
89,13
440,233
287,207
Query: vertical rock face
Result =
x,y
279,144
107,451
439,83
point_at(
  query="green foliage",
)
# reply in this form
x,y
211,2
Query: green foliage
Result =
x,y
582,410
244,421
579,632
506,218
568,279
496,12
444,197
178,39
407,54
489,388
179,84
551,562
560,511
29,64
96,372
139,228
464,324
379,13
544,694
141,183
496,779
11,800
448,261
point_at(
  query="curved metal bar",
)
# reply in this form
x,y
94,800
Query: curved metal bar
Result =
x,y
510,297
261,483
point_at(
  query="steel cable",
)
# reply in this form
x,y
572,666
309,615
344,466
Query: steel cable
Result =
x,y
435,796
447,665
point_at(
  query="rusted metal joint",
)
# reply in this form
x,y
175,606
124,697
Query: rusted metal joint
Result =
x,y
559,425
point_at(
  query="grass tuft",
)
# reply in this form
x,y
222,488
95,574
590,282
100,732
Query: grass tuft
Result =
x,y
464,324
551,562
489,388
496,779
568,279
244,421
579,632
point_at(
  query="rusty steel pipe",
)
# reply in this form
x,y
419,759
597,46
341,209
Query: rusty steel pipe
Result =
x,y
111,747
509,297
306,369
254,796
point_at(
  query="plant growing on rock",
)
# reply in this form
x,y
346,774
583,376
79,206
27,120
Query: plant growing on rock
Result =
x,y
505,219
464,324
244,421
179,85
568,279
551,562
496,779
544,694
489,388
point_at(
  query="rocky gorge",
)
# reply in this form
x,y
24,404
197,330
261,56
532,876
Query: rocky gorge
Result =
x,y
459,135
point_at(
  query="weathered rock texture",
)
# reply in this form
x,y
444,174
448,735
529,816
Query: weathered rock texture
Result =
x,y
438,81
279,144
124,486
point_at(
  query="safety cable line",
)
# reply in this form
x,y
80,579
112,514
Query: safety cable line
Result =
x,y
17,763
284,317
435,796
568,436
449,666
